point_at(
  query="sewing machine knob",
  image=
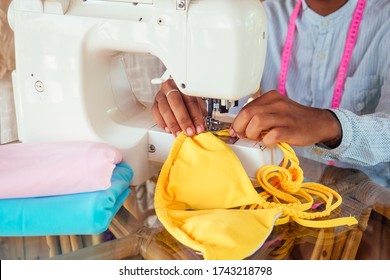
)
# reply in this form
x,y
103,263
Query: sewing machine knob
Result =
x,y
39,87
181,4
152,149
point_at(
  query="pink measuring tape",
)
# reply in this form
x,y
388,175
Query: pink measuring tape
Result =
x,y
348,49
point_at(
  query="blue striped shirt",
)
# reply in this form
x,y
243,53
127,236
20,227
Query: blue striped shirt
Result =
x,y
364,111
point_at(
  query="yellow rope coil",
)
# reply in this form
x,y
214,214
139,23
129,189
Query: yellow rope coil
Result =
x,y
284,187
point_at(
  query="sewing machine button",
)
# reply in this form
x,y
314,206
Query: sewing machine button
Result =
x,y
39,86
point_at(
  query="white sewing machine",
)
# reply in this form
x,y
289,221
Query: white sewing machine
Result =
x,y
69,85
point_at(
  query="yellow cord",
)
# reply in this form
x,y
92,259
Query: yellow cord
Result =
x,y
283,187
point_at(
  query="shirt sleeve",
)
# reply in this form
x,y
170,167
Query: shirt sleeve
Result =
x,y
366,138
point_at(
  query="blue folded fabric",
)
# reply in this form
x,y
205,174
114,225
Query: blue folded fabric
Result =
x,y
84,213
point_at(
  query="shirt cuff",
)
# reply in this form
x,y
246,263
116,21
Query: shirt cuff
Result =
x,y
346,141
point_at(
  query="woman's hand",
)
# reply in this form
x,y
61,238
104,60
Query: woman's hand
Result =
x,y
286,121
175,112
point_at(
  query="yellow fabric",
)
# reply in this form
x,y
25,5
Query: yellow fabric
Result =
x,y
205,199
200,187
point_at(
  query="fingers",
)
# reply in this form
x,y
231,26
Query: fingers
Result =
x,y
163,114
196,108
259,123
176,112
276,135
283,119
181,120
255,117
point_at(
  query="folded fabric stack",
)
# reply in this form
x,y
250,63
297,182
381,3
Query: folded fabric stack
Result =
x,y
60,188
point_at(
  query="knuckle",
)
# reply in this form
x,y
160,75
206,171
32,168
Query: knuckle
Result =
x,y
184,121
172,125
160,96
252,133
276,136
282,105
191,101
256,120
175,101
246,112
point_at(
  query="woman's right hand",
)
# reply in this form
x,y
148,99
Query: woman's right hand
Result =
x,y
175,112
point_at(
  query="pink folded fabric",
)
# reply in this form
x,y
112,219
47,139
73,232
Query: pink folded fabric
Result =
x,y
47,169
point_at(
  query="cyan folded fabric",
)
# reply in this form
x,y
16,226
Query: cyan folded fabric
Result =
x,y
84,213
55,168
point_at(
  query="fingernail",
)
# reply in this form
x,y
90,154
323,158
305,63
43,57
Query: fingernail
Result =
x,y
177,133
167,130
232,132
199,129
189,131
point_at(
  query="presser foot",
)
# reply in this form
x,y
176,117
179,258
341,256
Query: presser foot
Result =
x,y
214,125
